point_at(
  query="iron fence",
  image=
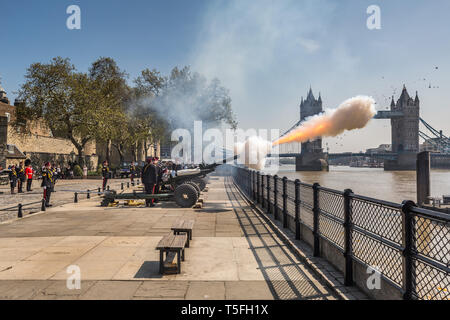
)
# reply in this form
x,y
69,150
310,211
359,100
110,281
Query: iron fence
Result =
x,y
408,245
19,210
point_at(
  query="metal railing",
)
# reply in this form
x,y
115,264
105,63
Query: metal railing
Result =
x,y
18,210
408,245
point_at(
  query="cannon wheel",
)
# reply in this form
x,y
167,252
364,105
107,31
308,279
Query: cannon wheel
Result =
x,y
185,195
200,182
105,202
192,183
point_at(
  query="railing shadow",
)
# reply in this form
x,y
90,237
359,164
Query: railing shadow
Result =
x,y
282,273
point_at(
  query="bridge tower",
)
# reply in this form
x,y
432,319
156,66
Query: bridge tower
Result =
x,y
312,157
405,117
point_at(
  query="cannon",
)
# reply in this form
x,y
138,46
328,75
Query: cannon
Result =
x,y
184,188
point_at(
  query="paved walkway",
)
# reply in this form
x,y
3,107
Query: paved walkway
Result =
x,y
64,194
233,255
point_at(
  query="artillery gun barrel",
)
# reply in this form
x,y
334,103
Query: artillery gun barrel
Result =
x,y
212,166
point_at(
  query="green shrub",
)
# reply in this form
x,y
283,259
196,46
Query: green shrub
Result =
x,y
77,171
93,173
99,170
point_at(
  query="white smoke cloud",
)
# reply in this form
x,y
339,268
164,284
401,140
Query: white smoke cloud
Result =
x,y
252,153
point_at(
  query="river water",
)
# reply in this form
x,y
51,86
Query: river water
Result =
x,y
394,186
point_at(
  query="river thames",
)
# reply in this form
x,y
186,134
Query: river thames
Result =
x,y
394,186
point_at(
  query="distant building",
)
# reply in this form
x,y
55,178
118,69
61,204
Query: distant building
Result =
x,y
39,145
382,148
405,129
3,97
308,108
431,145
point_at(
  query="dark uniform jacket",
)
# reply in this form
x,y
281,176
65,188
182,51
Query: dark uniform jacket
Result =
x,y
20,172
105,172
159,172
149,174
12,175
47,178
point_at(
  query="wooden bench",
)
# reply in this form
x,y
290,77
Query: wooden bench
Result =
x,y
183,226
172,245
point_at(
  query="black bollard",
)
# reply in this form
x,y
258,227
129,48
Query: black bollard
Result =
x,y
43,205
88,194
19,213
128,184
121,186
99,190
75,199
107,188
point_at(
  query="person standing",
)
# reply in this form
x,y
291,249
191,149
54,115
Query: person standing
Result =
x,y
12,178
132,172
29,174
47,183
55,176
149,177
105,174
20,177
158,175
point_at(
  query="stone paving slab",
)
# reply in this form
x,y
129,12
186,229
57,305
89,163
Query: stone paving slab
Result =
x,y
233,255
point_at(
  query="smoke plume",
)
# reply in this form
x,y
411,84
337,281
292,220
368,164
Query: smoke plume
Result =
x,y
352,114
253,152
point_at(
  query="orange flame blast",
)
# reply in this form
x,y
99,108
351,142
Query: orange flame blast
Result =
x,y
305,133
352,114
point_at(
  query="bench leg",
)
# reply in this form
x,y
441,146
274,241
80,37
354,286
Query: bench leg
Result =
x,y
190,234
187,241
182,255
161,262
179,262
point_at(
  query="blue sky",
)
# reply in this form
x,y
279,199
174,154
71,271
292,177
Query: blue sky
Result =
x,y
267,52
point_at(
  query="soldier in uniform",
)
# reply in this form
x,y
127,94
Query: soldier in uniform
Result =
x,y
159,173
29,174
149,179
105,174
47,183
13,178
20,177
55,176
132,172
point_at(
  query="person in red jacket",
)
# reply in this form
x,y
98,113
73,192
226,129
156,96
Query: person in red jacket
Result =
x,y
29,174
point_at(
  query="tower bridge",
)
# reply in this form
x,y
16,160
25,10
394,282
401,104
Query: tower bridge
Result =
x,y
404,115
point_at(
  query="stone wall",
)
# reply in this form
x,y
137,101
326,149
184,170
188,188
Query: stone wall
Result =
x,y
39,145
3,140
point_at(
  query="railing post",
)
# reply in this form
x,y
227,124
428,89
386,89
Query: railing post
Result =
x,y
297,209
275,200
348,248
255,186
409,285
258,187
75,198
263,201
19,211
285,224
88,194
268,193
250,184
316,210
